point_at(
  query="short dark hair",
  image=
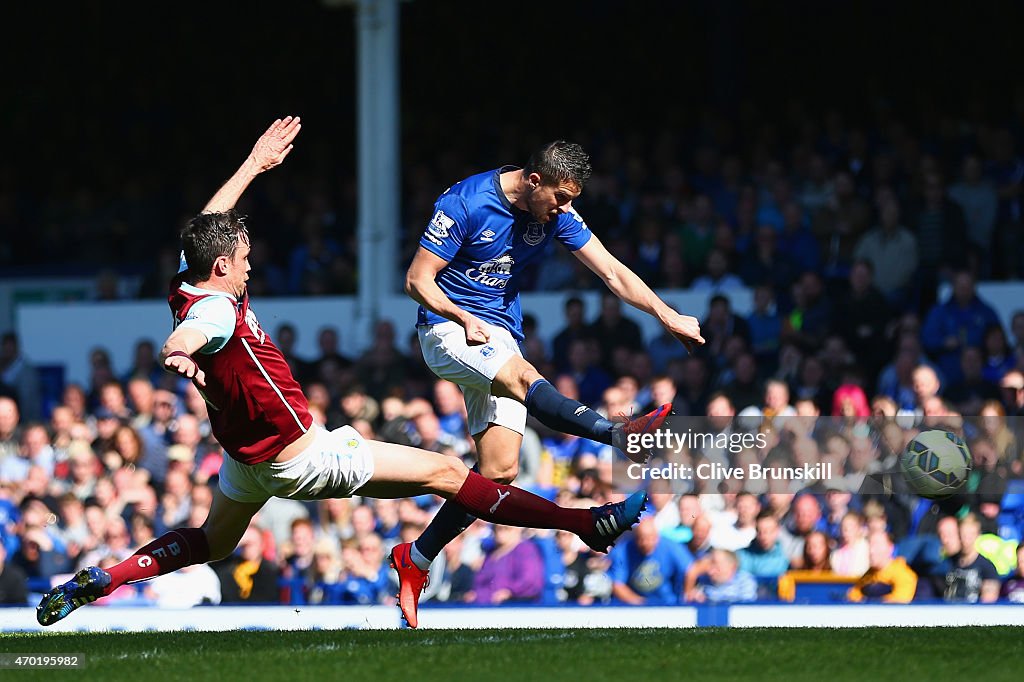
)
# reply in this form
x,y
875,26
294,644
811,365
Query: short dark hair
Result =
x,y
559,161
209,236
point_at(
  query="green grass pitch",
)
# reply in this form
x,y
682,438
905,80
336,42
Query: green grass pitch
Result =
x,y
789,654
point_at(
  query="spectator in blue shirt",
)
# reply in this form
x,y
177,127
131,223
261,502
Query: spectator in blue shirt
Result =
x,y
765,557
719,578
999,356
797,240
765,325
717,278
959,322
647,569
367,575
591,379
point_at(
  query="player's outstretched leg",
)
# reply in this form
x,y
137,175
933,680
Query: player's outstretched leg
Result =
x,y
564,414
171,551
174,549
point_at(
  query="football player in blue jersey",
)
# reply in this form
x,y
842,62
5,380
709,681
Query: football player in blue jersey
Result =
x,y
465,276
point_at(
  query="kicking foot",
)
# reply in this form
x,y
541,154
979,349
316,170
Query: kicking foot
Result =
x,y
632,429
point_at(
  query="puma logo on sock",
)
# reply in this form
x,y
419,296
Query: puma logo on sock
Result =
x,y
501,498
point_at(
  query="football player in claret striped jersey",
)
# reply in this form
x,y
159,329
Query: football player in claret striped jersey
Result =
x,y
260,417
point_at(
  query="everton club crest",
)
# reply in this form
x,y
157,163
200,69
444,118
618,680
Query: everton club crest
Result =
x,y
534,234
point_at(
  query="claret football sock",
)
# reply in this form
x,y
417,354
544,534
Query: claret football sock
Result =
x,y
564,414
173,550
513,506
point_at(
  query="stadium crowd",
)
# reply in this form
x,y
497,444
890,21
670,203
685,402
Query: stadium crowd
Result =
x,y
843,229
129,455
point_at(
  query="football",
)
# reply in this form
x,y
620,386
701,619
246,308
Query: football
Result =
x,y
936,464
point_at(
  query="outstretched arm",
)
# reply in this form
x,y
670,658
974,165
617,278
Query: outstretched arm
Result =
x,y
628,286
269,151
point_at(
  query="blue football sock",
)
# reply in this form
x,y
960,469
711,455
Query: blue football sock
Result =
x,y
563,414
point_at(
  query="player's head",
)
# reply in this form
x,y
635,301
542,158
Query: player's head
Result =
x,y
555,176
216,246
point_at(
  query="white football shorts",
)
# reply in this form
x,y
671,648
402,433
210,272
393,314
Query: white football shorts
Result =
x,y
336,464
473,368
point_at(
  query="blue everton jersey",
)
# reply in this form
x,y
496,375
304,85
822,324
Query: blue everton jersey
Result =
x,y
487,243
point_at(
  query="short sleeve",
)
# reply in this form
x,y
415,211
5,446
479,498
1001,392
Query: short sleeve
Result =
x,y
214,316
448,227
572,231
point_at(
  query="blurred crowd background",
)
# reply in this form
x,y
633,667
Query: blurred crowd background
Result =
x,y
842,161
130,455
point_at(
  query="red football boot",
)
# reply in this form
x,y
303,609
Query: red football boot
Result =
x,y
636,427
411,581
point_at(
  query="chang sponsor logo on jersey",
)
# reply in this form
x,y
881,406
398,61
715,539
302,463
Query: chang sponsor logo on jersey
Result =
x,y
494,273
439,225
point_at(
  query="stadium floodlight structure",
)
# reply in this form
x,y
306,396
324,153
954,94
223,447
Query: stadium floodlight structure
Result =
x,y
379,179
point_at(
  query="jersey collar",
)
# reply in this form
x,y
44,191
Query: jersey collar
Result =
x,y
496,181
199,291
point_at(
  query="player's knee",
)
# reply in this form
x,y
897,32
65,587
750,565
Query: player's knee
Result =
x,y
515,378
450,475
524,371
528,376
502,473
